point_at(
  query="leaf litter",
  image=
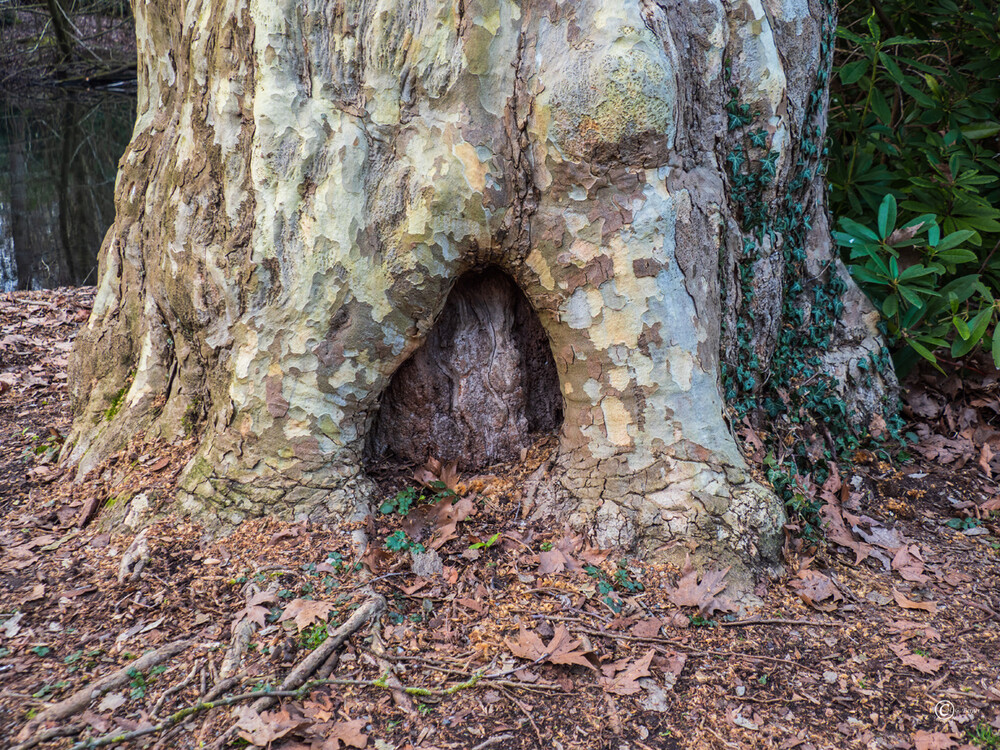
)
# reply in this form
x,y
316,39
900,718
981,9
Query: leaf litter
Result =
x,y
538,637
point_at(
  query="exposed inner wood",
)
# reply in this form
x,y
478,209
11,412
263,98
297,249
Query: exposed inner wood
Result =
x,y
481,385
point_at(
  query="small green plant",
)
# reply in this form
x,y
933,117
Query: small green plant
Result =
x,y
49,689
41,650
624,579
605,588
313,636
984,736
399,542
963,524
697,621
335,560
138,683
546,547
488,543
402,502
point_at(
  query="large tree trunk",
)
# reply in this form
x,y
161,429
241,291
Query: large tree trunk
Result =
x,y
308,182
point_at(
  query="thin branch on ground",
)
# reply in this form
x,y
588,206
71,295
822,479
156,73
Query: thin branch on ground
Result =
x,y
82,698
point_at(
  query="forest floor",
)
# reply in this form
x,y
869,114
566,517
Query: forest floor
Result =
x,y
503,633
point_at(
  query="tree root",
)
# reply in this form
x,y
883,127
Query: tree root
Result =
x,y
135,558
174,689
259,695
82,698
371,609
185,713
388,679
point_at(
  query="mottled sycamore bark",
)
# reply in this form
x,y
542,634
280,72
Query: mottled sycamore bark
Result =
x,y
308,181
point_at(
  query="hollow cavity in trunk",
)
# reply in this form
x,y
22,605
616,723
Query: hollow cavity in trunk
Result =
x,y
480,388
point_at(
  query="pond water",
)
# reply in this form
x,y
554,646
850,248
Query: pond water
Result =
x,y
58,160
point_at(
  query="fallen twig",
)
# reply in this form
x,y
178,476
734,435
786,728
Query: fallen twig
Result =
x,y
779,621
82,698
174,689
185,713
50,734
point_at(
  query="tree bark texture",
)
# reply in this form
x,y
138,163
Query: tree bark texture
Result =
x,y
308,181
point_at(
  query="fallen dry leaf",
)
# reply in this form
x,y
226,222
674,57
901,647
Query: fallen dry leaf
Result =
x,y
905,603
111,701
305,612
446,516
551,562
161,464
923,664
933,741
622,677
909,564
346,733
261,730
815,589
692,593
436,475
255,611
560,650
985,456
648,628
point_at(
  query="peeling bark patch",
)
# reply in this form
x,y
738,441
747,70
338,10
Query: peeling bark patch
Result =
x,y
481,384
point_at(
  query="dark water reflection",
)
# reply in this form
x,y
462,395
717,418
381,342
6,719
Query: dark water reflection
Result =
x,y
58,160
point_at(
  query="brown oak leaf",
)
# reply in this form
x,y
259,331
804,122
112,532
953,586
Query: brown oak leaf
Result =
x,y
923,664
562,649
815,589
346,734
622,677
690,592
305,612
551,562
260,730
933,741
254,611
909,564
648,628
905,603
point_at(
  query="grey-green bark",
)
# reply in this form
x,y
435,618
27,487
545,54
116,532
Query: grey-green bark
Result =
x,y
308,180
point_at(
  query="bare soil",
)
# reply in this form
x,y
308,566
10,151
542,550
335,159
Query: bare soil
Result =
x,y
505,632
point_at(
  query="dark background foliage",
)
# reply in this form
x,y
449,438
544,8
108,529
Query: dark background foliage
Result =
x,y
913,169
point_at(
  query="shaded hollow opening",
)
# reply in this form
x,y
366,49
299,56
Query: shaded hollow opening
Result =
x,y
480,389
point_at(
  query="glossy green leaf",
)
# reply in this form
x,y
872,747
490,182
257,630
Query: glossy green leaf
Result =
x,y
887,216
